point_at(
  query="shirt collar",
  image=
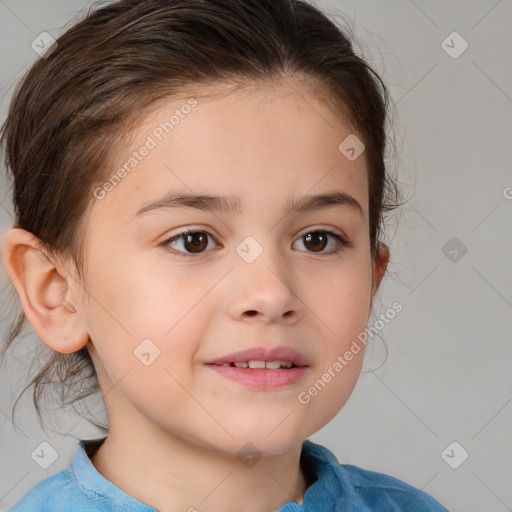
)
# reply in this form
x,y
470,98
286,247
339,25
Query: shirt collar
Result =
x,y
93,483
331,491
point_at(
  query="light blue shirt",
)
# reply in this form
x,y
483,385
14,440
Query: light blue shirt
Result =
x,y
336,487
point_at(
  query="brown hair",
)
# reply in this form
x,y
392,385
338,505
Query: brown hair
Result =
x,y
76,106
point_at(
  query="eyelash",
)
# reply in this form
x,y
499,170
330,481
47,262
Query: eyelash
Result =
x,y
342,242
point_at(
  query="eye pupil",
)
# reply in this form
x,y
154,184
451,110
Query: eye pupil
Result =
x,y
198,245
315,237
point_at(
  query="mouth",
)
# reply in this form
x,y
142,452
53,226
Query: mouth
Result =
x,y
268,365
279,358
262,369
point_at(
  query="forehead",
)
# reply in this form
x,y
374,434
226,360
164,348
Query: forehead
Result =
x,y
266,144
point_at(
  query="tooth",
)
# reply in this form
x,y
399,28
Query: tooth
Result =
x,y
256,364
272,365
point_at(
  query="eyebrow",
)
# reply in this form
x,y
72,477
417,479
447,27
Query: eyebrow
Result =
x,y
233,204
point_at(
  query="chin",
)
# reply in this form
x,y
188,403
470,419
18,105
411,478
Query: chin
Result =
x,y
269,445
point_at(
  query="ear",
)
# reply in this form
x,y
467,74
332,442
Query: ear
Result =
x,y
44,289
379,268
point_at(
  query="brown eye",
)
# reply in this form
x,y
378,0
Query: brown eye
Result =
x,y
191,242
316,241
195,242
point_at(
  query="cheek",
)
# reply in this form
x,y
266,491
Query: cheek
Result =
x,y
139,310
141,300
341,300
342,306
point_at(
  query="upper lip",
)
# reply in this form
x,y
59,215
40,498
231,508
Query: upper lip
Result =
x,y
262,354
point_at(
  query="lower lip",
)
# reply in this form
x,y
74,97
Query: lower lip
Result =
x,y
261,378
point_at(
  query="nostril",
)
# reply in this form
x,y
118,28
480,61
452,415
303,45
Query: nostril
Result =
x,y
251,313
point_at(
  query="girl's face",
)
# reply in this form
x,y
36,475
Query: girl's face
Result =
x,y
259,277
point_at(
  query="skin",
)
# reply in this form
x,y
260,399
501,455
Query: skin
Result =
x,y
175,425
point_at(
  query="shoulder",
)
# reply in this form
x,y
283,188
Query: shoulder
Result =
x,y
57,493
374,488
78,488
362,489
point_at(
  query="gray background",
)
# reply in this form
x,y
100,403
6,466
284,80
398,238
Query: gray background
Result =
x,y
448,373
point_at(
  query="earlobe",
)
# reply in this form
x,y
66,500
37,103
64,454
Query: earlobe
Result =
x,y
381,264
379,268
44,290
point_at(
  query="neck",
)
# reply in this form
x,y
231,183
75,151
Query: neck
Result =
x,y
171,475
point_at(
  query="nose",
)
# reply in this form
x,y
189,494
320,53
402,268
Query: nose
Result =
x,y
263,291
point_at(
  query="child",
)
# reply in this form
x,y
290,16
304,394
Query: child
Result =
x,y
199,187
